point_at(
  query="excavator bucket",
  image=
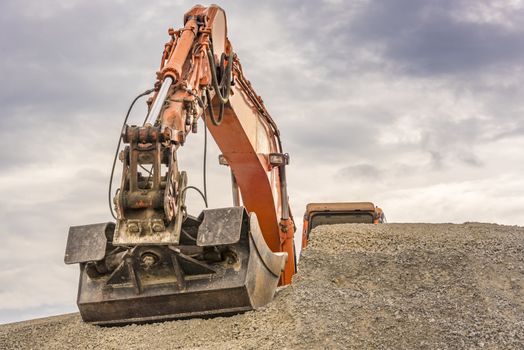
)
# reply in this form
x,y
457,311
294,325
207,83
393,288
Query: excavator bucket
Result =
x,y
222,265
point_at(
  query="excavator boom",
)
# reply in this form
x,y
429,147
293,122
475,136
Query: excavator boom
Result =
x,y
158,262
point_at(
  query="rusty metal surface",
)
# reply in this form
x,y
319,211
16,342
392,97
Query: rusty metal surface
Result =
x,y
339,213
273,262
145,134
87,242
154,267
247,134
144,232
245,138
149,208
221,226
341,206
158,282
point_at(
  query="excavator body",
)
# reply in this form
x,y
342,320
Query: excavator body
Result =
x,y
157,262
339,213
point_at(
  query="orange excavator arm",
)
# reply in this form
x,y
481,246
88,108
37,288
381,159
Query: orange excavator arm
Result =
x,y
246,134
157,261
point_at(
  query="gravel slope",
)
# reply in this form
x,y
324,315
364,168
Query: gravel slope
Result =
x,y
359,286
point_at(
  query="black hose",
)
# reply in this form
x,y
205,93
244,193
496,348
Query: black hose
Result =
x,y
216,122
204,165
147,92
223,89
222,98
196,189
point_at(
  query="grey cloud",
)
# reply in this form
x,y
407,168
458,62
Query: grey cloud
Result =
x,y
416,37
471,159
366,172
436,159
444,138
73,59
516,131
424,38
410,38
380,174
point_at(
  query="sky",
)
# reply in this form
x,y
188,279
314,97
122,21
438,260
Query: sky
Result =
x,y
414,105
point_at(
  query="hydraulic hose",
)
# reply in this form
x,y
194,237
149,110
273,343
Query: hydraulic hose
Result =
x,y
218,89
221,90
196,189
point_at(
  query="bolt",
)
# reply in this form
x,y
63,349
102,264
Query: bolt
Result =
x,y
133,228
230,257
148,260
158,227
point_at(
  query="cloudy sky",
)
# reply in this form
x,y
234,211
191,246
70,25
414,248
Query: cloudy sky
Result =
x,y
415,105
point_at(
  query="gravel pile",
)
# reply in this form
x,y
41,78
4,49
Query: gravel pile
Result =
x,y
359,286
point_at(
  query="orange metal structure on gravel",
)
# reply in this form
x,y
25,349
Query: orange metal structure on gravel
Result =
x,y
247,134
158,262
331,209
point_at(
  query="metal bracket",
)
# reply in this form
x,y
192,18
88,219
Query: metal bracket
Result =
x,y
221,226
88,242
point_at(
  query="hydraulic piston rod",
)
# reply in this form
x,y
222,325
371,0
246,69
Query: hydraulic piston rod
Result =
x,y
173,68
159,101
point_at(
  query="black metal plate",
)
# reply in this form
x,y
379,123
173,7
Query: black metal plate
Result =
x,y
220,226
88,242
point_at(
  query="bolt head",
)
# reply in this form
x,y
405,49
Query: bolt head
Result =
x,y
148,260
158,227
133,228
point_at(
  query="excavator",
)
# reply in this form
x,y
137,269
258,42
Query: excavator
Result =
x,y
339,213
158,262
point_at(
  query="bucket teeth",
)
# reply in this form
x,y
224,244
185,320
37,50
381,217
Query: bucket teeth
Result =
x,y
212,272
